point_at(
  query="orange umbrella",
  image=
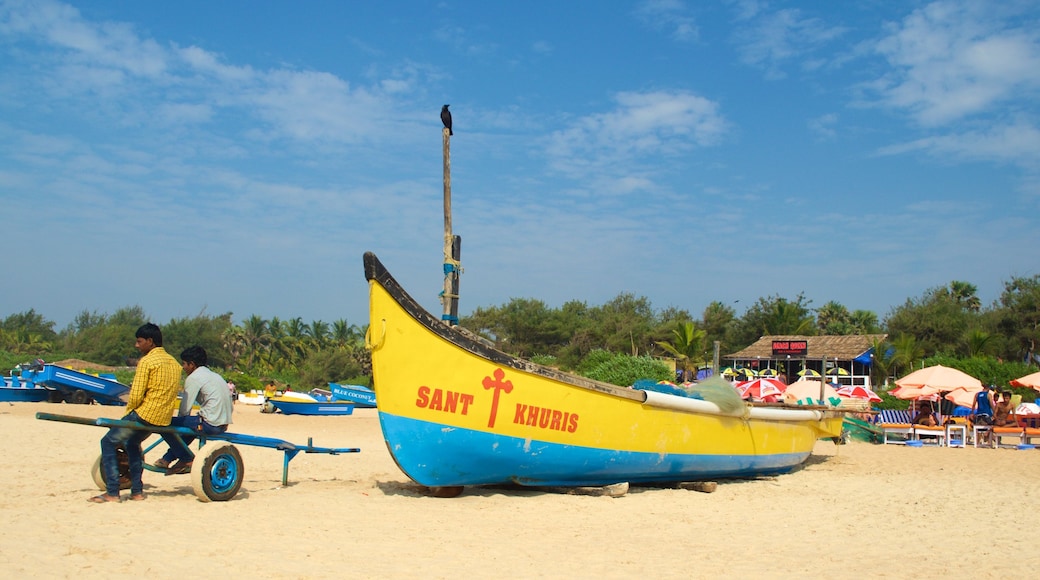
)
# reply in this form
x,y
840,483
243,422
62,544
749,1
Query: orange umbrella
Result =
x,y
938,378
1032,380
962,397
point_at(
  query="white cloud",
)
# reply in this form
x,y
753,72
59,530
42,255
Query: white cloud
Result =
x,y
668,15
954,59
771,39
823,126
642,126
1017,143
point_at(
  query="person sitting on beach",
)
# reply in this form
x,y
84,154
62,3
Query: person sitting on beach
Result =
x,y
982,407
1004,412
925,416
215,407
150,402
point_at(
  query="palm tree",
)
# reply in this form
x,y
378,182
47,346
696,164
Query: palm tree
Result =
x,y
907,351
318,331
344,333
964,294
234,342
882,361
257,338
787,317
977,341
832,316
687,346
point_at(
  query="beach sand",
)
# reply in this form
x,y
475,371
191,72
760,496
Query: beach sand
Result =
x,y
857,510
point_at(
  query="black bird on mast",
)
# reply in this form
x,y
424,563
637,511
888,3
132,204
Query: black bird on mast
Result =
x,y
446,118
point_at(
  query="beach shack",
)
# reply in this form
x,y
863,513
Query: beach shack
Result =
x,y
845,360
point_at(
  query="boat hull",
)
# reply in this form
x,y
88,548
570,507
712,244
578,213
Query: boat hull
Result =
x,y
362,397
299,407
24,395
456,412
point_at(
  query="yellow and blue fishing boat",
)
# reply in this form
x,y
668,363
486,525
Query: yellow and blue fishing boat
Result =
x,y
456,412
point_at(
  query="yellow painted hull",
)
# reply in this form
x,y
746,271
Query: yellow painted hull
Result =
x,y
456,412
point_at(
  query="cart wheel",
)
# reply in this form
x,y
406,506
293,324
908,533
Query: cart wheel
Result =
x,y
124,471
217,471
80,397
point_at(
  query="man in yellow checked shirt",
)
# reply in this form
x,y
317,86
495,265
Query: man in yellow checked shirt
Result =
x,y
152,399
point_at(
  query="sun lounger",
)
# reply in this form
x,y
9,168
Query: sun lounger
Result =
x,y
895,422
998,434
938,432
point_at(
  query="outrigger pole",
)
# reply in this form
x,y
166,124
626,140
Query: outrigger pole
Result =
x,y
452,245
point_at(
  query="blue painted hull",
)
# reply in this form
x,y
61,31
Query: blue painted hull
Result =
x,y
313,408
23,395
478,457
103,390
362,397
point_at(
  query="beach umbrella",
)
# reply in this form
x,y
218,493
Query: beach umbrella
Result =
x,y
1032,381
937,379
768,373
962,397
858,392
762,389
809,389
808,373
744,374
837,372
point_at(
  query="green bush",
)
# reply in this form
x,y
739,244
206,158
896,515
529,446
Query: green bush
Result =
x,y
624,370
243,382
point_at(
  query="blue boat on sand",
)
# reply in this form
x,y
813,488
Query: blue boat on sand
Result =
x,y
362,397
300,405
13,390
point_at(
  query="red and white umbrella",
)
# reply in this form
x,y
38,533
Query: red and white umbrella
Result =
x,y
858,392
762,389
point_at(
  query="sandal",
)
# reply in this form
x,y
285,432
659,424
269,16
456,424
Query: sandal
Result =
x,y
137,496
179,467
105,498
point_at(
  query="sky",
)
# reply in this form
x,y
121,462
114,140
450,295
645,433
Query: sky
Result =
x,y
200,157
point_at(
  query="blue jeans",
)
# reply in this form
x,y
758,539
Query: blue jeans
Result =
x,y
130,440
195,423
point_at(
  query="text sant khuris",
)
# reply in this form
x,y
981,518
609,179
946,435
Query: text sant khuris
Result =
x,y
529,415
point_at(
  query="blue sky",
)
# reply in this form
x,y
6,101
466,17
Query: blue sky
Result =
x,y
241,156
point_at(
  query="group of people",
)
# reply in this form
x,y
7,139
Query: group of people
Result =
x,y
987,409
151,402
990,410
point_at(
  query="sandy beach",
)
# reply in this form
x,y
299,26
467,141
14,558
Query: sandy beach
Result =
x,y
854,510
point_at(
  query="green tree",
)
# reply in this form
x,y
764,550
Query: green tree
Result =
x,y
624,324
907,353
774,316
1018,318
257,339
687,346
936,320
833,318
964,294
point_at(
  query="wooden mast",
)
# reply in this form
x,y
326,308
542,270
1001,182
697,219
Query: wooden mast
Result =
x,y
452,245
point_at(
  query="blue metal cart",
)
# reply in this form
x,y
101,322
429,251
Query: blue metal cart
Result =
x,y
217,470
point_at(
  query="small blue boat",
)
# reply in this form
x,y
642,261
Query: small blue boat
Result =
x,y
14,390
77,387
300,406
362,397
